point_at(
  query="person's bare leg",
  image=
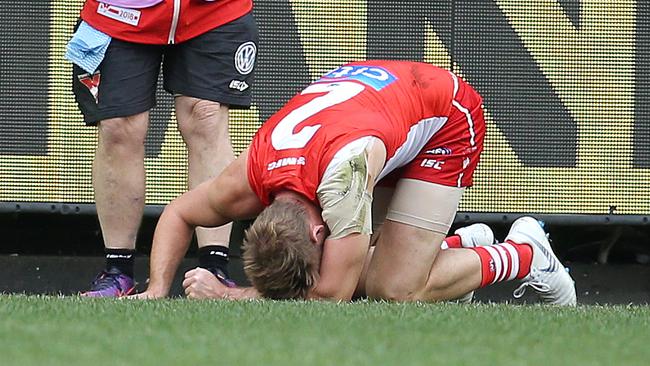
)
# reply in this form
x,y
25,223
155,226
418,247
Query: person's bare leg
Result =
x,y
408,264
119,179
119,185
204,127
476,237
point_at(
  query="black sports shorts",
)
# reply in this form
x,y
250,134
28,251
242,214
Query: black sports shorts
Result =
x,y
217,66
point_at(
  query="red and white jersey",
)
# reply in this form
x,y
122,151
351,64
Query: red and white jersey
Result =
x,y
161,21
402,103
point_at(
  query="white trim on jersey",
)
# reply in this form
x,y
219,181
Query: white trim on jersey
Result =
x,y
470,124
470,121
462,173
455,78
455,103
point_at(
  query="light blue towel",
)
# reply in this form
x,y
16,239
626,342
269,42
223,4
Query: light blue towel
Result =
x,y
87,47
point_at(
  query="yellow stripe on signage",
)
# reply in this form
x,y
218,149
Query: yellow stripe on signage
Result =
x,y
585,57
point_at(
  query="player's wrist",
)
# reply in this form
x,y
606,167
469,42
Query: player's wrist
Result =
x,y
215,259
222,277
155,290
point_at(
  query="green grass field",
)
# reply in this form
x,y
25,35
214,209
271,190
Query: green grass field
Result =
x,y
75,331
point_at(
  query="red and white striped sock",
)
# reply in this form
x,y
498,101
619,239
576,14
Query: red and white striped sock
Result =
x,y
504,262
452,241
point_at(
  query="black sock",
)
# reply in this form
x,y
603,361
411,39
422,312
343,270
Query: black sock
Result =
x,y
121,259
213,257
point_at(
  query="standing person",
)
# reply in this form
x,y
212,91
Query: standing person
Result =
x,y
408,129
207,50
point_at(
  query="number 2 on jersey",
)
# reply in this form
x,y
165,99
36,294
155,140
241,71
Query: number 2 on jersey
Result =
x,y
283,136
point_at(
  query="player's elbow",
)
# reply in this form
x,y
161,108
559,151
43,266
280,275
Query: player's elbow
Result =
x,y
173,210
331,293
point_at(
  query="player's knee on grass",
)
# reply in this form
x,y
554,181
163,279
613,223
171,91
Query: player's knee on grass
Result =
x,y
398,292
389,293
380,287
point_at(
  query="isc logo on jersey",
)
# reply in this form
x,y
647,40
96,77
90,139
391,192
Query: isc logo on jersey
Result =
x,y
373,76
432,163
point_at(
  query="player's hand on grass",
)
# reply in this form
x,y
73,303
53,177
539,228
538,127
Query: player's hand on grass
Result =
x,y
147,295
200,283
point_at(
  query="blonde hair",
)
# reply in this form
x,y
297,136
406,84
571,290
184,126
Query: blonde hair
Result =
x,y
280,260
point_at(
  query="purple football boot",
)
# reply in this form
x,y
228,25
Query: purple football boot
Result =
x,y
111,283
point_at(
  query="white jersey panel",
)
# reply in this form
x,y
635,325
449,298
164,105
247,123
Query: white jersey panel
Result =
x,y
417,137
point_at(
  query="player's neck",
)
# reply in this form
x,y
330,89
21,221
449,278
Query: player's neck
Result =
x,y
291,196
313,211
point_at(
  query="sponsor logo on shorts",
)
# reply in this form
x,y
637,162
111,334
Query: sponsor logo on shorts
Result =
x,y
124,15
285,162
245,57
470,150
91,82
432,163
238,85
439,151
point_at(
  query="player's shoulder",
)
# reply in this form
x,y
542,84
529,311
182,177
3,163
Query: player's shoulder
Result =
x,y
401,71
393,64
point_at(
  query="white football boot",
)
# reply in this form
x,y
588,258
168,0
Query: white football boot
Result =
x,y
475,235
547,276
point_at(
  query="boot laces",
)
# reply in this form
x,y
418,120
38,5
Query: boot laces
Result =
x,y
535,282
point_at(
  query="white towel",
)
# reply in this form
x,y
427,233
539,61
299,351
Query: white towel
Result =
x,y
87,47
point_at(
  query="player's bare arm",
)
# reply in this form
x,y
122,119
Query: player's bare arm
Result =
x,y
341,266
211,204
345,252
199,283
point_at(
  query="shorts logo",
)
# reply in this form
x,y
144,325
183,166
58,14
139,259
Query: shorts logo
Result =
x,y
245,57
432,163
439,151
238,85
469,150
124,15
91,82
